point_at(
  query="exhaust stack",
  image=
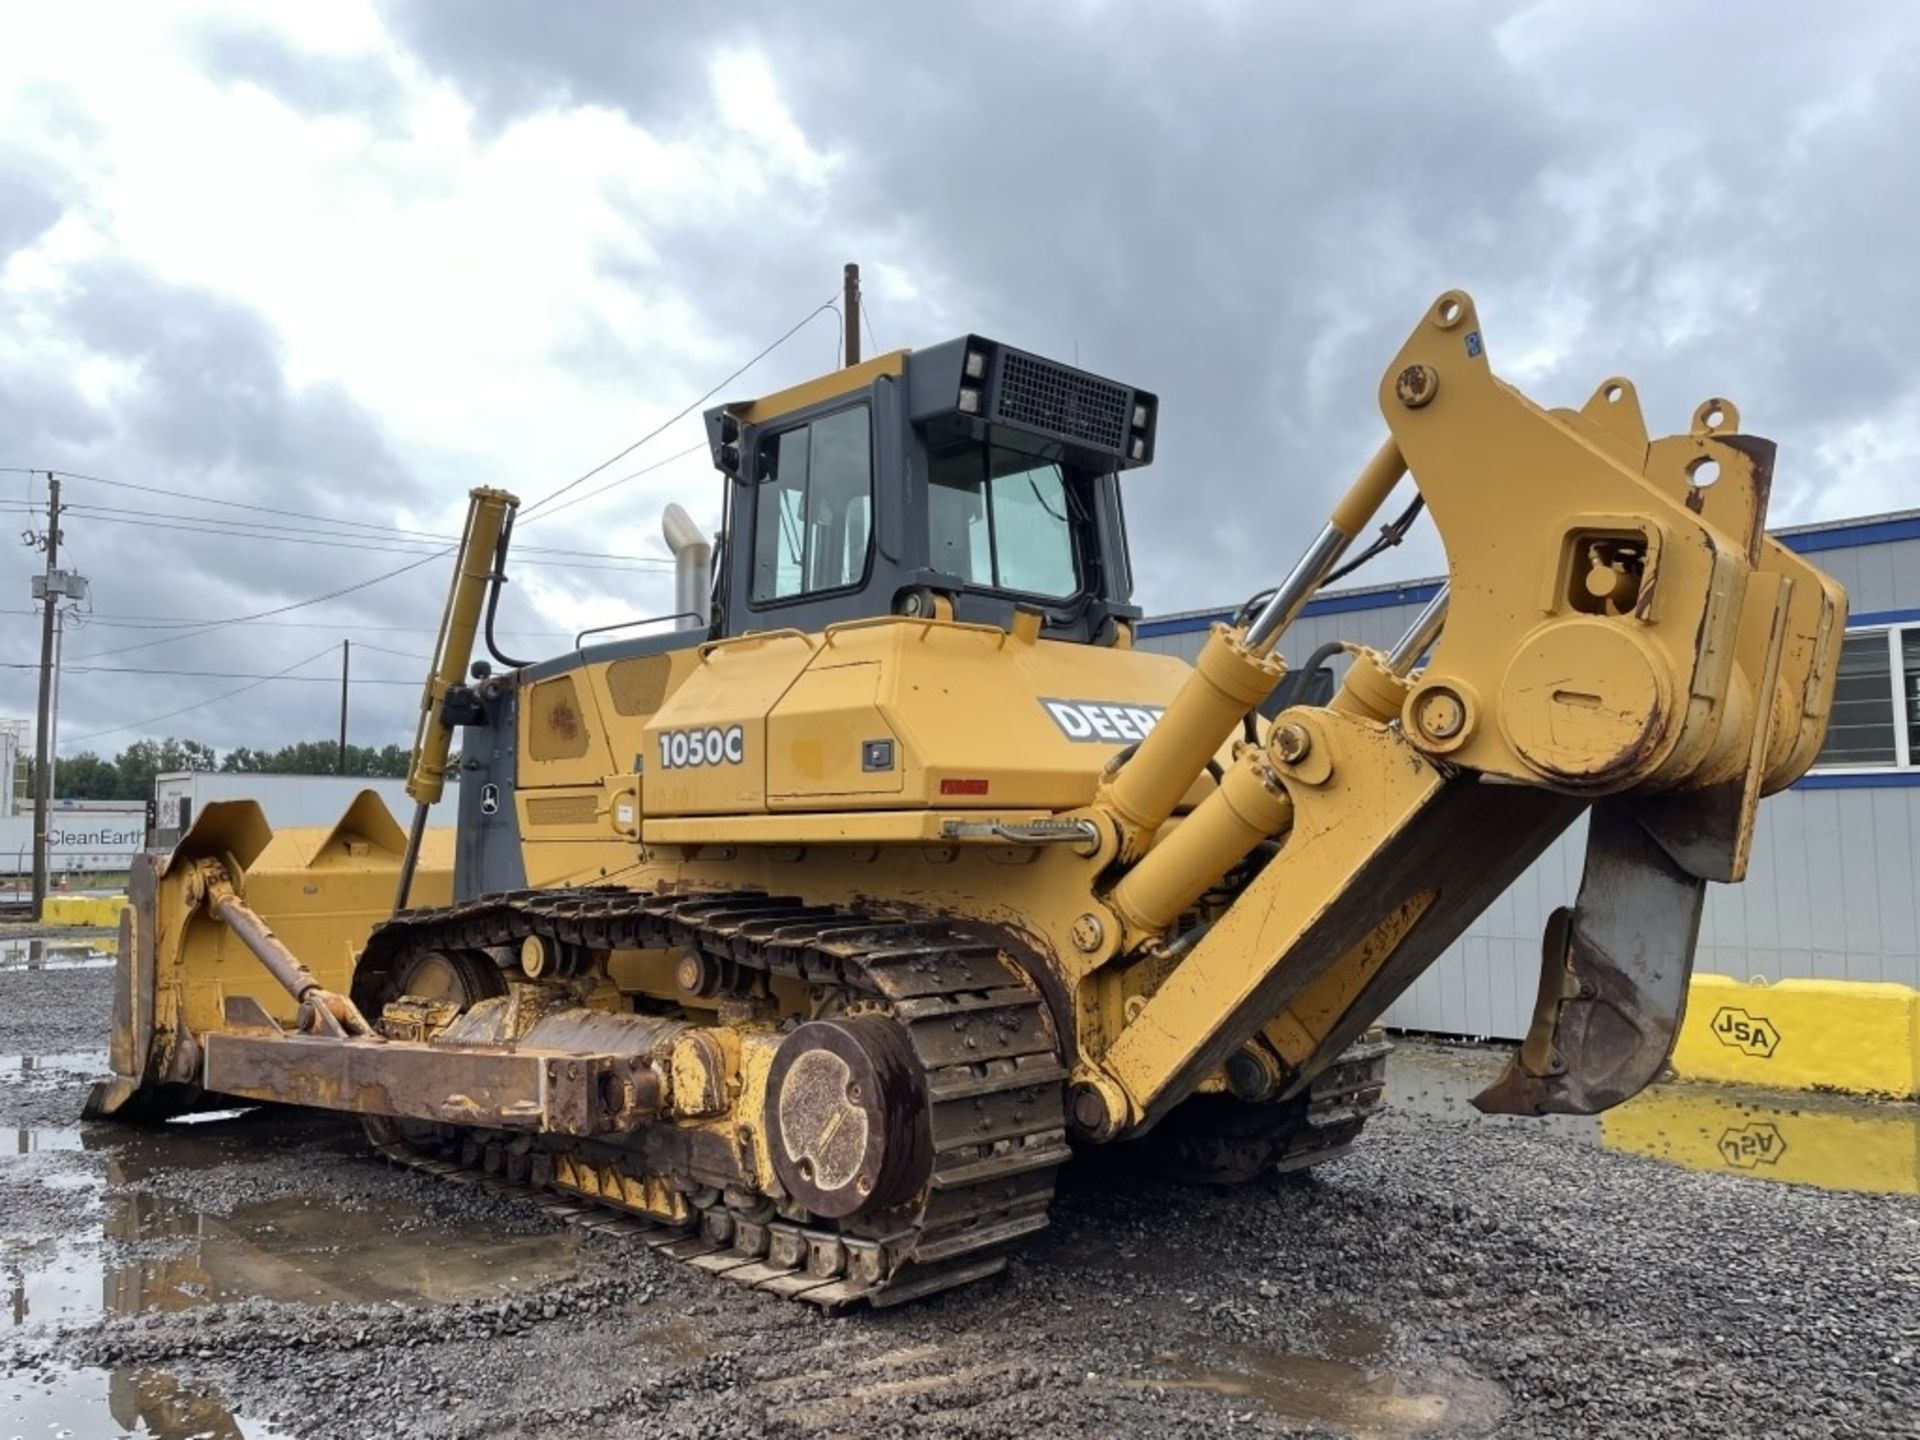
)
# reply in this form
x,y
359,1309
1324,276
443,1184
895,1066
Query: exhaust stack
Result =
x,y
692,568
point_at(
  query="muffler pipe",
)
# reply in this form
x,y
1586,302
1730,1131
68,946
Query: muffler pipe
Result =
x,y
692,568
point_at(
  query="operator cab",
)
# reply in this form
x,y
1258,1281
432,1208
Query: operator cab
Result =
x,y
965,481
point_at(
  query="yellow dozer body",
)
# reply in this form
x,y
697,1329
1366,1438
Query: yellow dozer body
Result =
x,y
818,932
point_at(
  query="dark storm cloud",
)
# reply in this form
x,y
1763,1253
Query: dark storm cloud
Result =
x,y
1242,207
212,395
312,84
1247,207
203,407
511,59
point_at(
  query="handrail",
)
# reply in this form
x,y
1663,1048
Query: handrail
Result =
x,y
629,624
786,633
925,622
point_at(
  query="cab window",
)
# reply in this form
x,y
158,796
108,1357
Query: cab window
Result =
x,y
813,510
999,519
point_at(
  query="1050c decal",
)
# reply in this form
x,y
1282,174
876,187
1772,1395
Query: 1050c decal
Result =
x,y
683,749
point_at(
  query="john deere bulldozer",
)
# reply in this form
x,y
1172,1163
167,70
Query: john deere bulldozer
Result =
x,y
815,935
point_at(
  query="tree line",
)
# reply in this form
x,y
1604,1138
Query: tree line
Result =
x,y
129,775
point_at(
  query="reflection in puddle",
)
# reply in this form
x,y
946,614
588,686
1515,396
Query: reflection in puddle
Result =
x,y
59,1065
102,1402
128,1249
38,953
1803,1140
1832,1141
162,1254
39,1140
1351,1395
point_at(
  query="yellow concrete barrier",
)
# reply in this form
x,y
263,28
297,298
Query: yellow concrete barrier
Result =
x,y
96,910
1856,1036
1801,1139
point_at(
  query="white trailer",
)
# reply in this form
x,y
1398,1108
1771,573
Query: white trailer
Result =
x,y
288,800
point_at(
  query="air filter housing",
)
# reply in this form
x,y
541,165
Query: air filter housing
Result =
x,y
1032,403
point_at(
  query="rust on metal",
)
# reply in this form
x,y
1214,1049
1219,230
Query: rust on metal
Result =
x,y
846,1110
320,1008
1416,385
522,1089
1613,979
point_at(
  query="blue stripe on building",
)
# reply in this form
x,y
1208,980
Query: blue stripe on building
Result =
x,y
1803,542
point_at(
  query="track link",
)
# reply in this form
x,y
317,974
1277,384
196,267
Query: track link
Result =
x,y
982,1039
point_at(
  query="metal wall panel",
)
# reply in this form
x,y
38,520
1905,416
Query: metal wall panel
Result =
x,y
1876,577
1829,894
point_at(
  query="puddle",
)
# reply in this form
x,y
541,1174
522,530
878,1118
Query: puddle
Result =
x,y
1831,1141
45,954
677,1342
37,1141
88,1403
161,1254
120,1249
1342,1392
60,1063
130,1250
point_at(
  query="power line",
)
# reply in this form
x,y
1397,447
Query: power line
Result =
x,y
202,704
341,524
66,670
425,559
866,315
527,512
268,614
634,565
635,475
115,620
404,655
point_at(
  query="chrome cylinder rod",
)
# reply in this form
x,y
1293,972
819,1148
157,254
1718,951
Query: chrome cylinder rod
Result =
x,y
1293,592
1420,636
1349,518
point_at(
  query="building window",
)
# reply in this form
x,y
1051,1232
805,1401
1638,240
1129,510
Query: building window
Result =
x,y
1875,721
1910,688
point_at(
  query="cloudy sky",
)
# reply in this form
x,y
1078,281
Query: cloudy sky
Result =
x,y
341,262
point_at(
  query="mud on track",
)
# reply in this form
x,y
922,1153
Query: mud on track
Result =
x,y
262,1275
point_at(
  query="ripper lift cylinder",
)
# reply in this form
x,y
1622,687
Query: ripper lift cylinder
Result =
x,y
1227,681
1249,806
1234,673
1420,635
1350,516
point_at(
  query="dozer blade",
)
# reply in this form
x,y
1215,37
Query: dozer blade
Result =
x,y
322,890
1613,978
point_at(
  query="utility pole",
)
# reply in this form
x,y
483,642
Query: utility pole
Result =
x,y
43,738
850,312
346,659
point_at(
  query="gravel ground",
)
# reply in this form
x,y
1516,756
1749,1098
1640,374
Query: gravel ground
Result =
x,y
1454,1275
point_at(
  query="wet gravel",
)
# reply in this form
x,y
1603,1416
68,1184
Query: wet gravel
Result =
x,y
1451,1276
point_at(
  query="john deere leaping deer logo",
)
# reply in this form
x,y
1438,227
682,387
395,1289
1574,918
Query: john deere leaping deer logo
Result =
x,y
1749,1146
1749,1034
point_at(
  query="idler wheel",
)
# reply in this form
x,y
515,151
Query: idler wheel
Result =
x,y
847,1116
